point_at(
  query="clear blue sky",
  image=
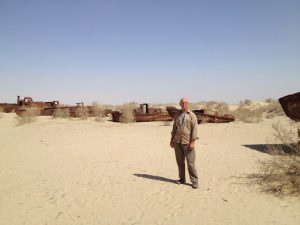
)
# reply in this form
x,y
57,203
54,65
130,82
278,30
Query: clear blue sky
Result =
x,y
149,50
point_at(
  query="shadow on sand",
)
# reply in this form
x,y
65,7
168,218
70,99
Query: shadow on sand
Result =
x,y
271,148
152,177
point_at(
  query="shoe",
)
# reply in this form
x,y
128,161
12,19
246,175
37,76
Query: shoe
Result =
x,y
195,185
180,181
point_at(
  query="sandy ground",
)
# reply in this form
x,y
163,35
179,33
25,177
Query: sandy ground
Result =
x,y
62,171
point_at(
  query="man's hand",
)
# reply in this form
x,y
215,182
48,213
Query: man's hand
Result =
x,y
192,145
172,144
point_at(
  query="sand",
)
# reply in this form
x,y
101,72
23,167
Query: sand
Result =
x,y
66,171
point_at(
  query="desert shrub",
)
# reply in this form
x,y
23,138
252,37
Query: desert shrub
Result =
x,y
248,115
222,108
62,112
82,112
246,102
210,106
273,109
270,100
28,116
98,111
281,174
1,111
287,136
127,115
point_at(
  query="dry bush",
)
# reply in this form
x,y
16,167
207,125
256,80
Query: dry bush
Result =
x,y
127,115
281,174
1,111
270,100
82,112
287,136
273,109
98,111
222,108
62,113
246,102
28,116
248,115
210,106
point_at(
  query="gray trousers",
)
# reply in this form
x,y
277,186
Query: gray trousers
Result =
x,y
182,152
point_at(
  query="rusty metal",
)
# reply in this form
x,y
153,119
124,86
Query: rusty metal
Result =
x,y
203,116
8,107
49,108
291,106
42,108
144,114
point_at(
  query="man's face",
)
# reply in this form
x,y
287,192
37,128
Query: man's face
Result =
x,y
184,104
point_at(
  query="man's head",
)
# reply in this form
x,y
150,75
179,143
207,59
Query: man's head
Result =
x,y
184,104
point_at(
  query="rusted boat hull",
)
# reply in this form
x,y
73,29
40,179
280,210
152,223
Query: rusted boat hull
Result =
x,y
116,117
144,114
291,106
203,117
153,117
8,107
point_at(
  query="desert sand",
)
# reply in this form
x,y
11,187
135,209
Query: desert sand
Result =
x,y
71,171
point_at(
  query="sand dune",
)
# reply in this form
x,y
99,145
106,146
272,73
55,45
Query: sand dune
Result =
x,y
63,171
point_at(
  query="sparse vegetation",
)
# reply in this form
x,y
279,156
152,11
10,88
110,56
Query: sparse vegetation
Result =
x,y
127,115
82,112
1,111
222,108
250,112
248,115
98,111
281,174
62,113
28,116
273,109
246,102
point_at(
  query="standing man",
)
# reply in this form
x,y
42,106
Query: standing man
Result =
x,y
183,137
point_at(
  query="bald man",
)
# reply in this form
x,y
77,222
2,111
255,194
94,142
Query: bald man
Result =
x,y
183,137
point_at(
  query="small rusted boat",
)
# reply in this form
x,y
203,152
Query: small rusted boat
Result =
x,y
144,114
202,116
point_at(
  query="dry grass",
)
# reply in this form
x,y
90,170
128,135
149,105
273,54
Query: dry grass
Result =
x,y
1,111
273,109
281,174
28,116
222,108
61,113
98,111
248,115
246,102
249,112
82,112
127,111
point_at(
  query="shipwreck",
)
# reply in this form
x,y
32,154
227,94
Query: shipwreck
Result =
x,y
144,114
203,116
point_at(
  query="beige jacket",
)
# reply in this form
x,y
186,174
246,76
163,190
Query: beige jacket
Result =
x,y
187,132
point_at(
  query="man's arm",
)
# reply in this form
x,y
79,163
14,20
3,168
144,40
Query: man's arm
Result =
x,y
173,135
194,132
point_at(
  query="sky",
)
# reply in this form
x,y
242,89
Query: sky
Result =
x,y
156,51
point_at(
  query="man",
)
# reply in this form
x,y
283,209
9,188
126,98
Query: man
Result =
x,y
183,137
